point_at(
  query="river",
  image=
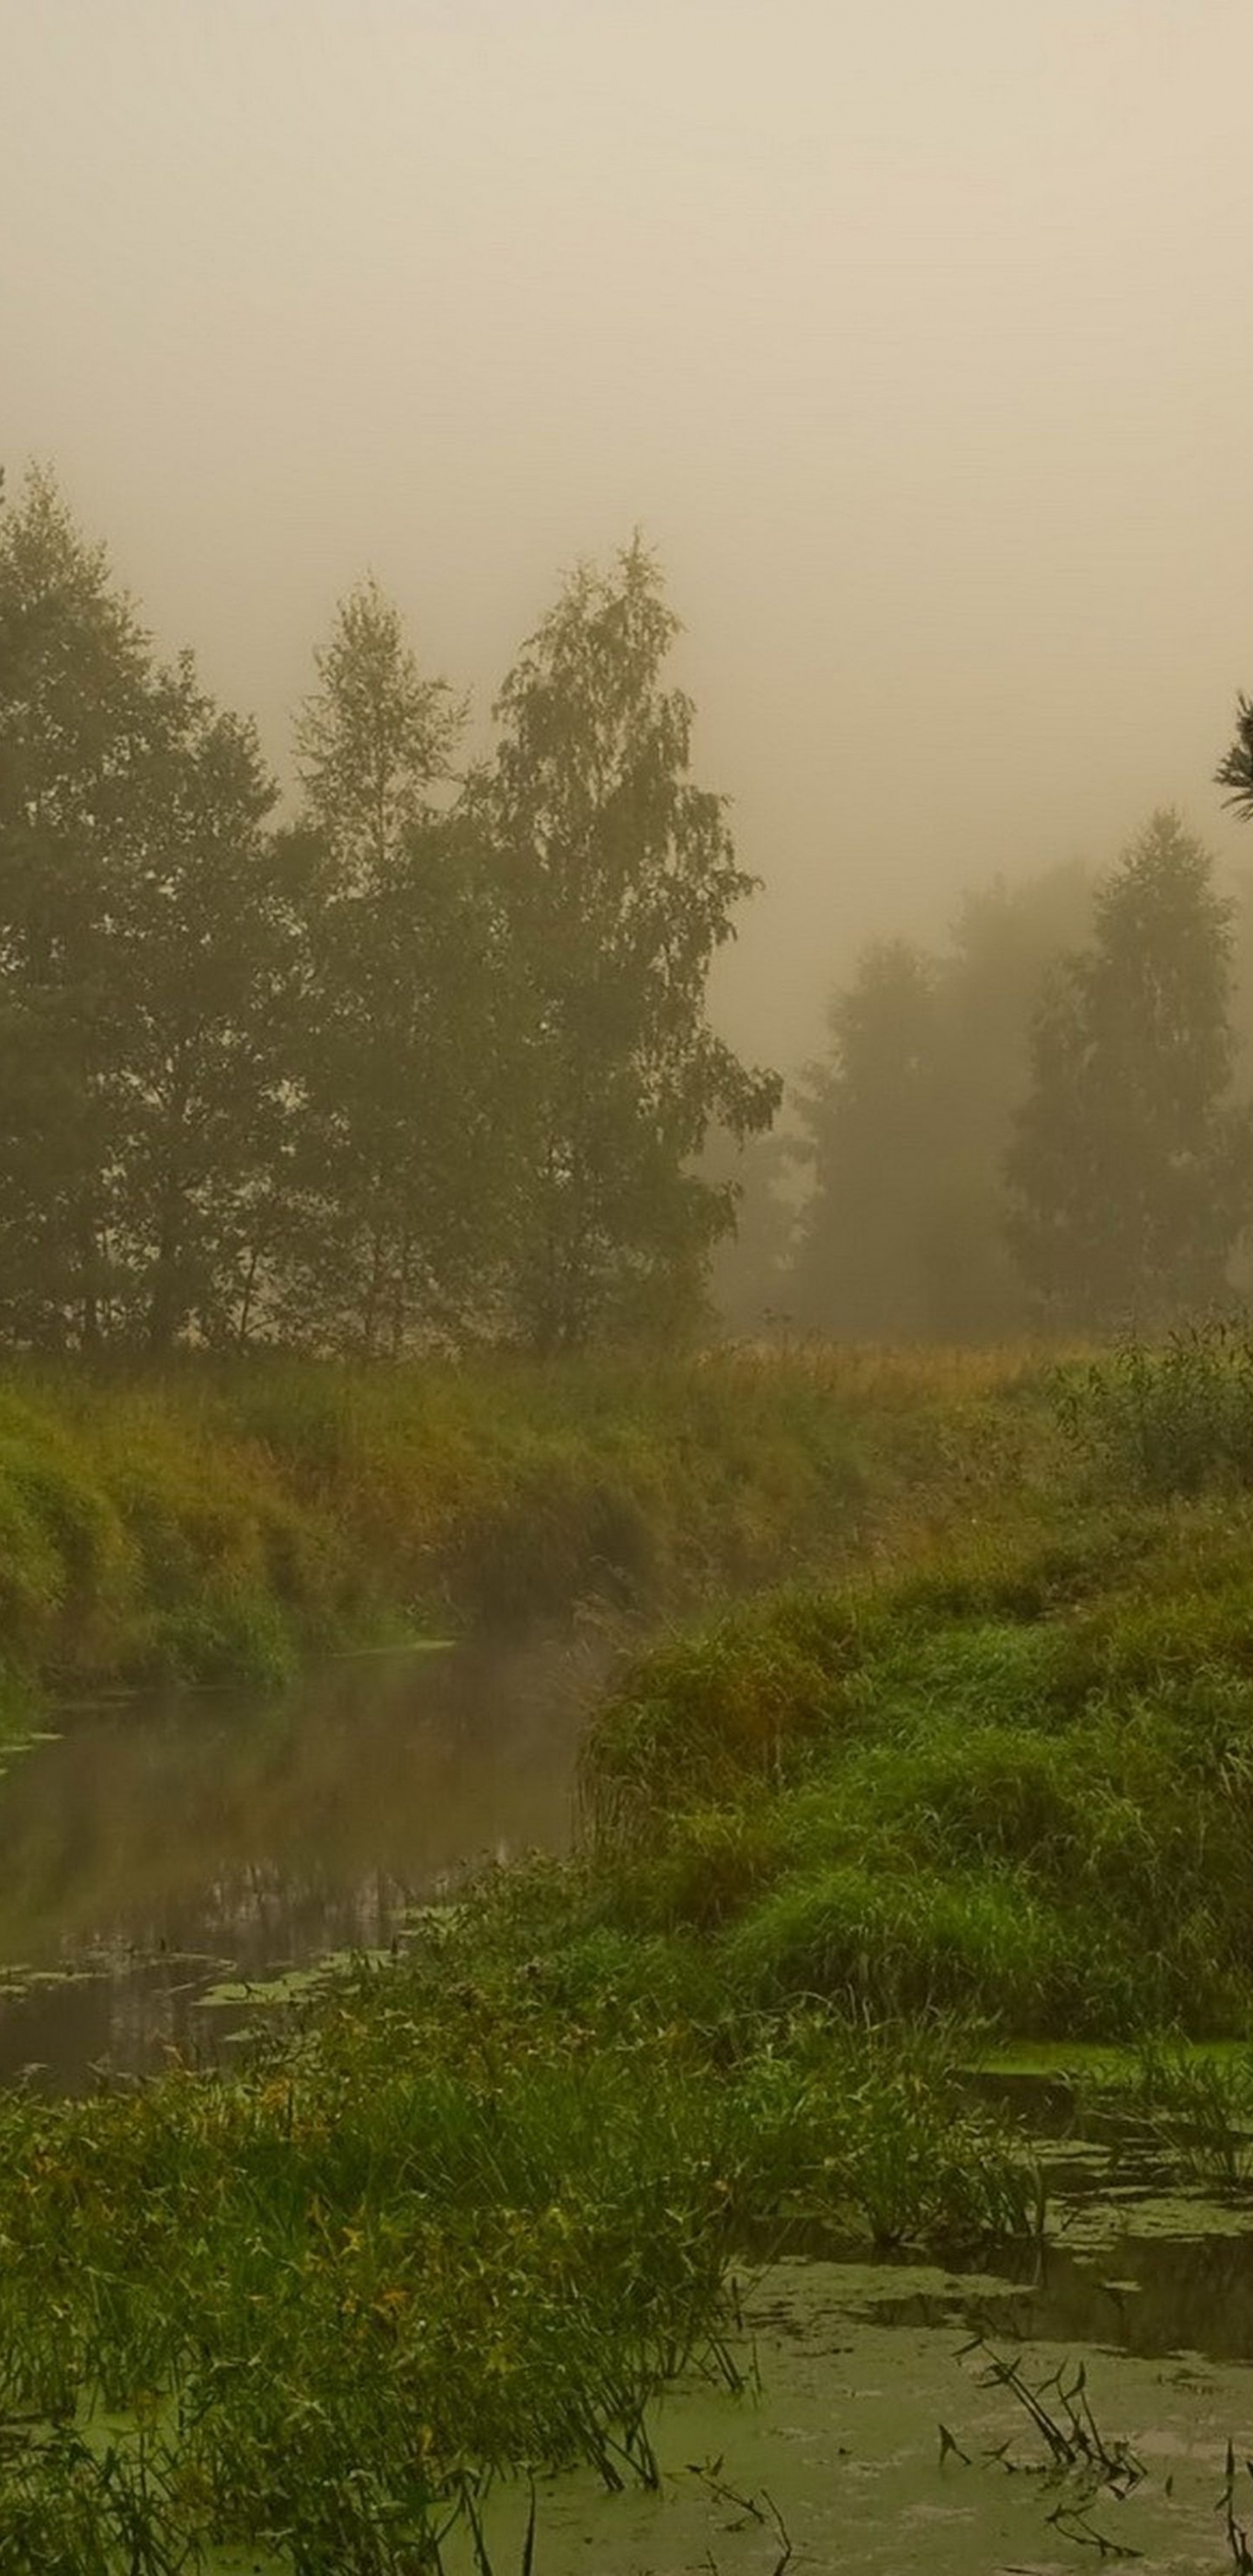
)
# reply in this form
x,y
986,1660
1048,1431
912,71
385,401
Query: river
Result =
x,y
155,1848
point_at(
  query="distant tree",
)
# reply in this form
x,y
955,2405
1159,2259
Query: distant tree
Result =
x,y
905,1123
750,1281
989,984
397,1059
1130,1173
1236,771
870,1139
617,881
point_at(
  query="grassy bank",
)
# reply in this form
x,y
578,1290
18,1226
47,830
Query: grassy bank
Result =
x,y
1014,1780
221,1524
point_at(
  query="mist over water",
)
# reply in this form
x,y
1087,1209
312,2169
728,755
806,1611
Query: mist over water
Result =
x,y
152,1849
911,337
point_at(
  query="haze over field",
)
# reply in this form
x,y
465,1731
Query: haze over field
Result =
x,y
914,337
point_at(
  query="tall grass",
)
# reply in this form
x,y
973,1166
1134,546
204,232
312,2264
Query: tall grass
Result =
x,y
1167,1418
220,1522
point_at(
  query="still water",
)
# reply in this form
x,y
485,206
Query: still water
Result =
x,y
154,1849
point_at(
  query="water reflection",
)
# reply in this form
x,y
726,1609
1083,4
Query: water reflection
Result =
x,y
154,1847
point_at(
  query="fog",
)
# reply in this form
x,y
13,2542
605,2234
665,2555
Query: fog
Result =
x,y
915,337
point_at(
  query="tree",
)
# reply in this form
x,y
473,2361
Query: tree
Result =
x,y
616,882
1005,941
1236,771
906,1121
398,1055
373,741
204,953
1130,1172
868,1116
80,721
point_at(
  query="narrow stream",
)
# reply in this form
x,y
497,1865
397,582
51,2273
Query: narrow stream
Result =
x,y
153,1849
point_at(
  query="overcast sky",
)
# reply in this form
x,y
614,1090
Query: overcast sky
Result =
x,y
916,334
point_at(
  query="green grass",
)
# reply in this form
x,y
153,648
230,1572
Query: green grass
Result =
x,y
220,1523
1167,1418
1015,1784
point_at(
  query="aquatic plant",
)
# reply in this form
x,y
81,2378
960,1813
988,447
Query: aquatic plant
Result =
x,y
464,2217
1193,2107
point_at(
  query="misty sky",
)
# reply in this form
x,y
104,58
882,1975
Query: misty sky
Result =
x,y
916,334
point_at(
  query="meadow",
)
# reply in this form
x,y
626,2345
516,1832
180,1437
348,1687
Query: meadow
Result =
x,y
985,1773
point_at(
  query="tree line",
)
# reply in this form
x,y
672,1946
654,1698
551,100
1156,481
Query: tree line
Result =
x,y
1047,1127
427,1058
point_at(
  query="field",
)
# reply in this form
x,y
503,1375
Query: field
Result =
x,y
967,1761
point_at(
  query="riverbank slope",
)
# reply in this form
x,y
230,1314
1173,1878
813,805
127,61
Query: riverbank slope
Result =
x,y
221,1523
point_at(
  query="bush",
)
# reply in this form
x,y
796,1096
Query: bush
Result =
x,y
1169,1419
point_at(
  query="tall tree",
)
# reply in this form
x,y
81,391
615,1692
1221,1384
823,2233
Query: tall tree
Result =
x,y
617,882
398,1054
751,1283
204,954
80,721
1130,1171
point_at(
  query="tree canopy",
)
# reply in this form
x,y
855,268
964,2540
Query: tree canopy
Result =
x,y
1130,1170
430,1059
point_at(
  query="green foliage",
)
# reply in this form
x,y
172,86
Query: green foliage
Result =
x,y
399,1040
205,954
373,741
1130,1174
222,1519
433,1066
1027,1796
617,882
1167,1418
715,1711
141,950
79,718
875,1129
1194,2108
